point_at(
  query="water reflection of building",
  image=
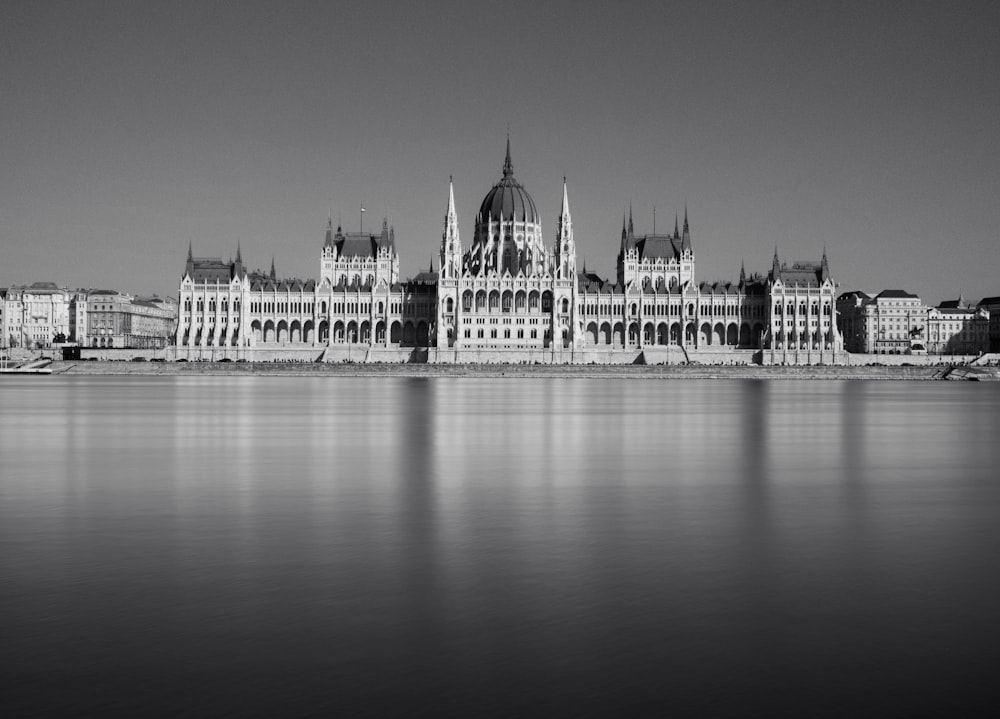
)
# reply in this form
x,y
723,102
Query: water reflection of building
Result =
x,y
509,296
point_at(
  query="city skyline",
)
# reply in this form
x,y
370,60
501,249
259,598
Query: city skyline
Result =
x,y
858,128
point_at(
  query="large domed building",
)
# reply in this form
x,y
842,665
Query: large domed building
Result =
x,y
508,290
508,297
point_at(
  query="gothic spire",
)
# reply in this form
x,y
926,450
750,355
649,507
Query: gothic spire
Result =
x,y
508,166
677,233
190,251
239,254
274,275
631,229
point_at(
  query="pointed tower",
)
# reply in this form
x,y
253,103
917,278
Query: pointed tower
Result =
x,y
677,234
238,265
189,266
824,267
328,256
565,247
508,166
448,310
273,275
628,260
743,274
567,330
775,265
686,236
451,245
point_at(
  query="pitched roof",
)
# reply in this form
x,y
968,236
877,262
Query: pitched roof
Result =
x,y
354,244
951,304
801,273
591,282
425,278
208,270
897,294
658,247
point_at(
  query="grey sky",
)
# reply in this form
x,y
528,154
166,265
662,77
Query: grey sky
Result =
x,y
869,128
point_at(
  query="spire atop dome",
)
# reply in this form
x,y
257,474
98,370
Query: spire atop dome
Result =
x,y
508,198
508,166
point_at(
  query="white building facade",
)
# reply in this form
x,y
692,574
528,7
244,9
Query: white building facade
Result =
x,y
507,296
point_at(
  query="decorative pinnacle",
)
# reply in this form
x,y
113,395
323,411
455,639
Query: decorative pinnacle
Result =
x,y
508,166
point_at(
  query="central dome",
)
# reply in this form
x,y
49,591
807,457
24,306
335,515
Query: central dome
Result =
x,y
507,197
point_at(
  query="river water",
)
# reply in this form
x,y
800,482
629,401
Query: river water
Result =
x,y
269,546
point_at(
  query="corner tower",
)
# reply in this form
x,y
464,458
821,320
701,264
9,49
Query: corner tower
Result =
x,y
448,278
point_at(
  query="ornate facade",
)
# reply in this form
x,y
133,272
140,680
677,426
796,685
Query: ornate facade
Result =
x,y
508,296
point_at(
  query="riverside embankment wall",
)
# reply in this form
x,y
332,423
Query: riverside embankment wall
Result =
x,y
361,354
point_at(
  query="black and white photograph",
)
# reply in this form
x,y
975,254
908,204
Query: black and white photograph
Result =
x,y
499,360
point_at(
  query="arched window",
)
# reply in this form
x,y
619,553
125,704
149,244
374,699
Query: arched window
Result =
x,y
450,306
565,305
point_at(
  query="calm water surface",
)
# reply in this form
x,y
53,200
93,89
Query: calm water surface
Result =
x,y
264,546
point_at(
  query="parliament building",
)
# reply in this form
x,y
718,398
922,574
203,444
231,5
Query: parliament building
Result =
x,y
508,296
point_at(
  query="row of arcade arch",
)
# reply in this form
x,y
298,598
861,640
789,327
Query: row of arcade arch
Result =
x,y
508,301
634,334
404,334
